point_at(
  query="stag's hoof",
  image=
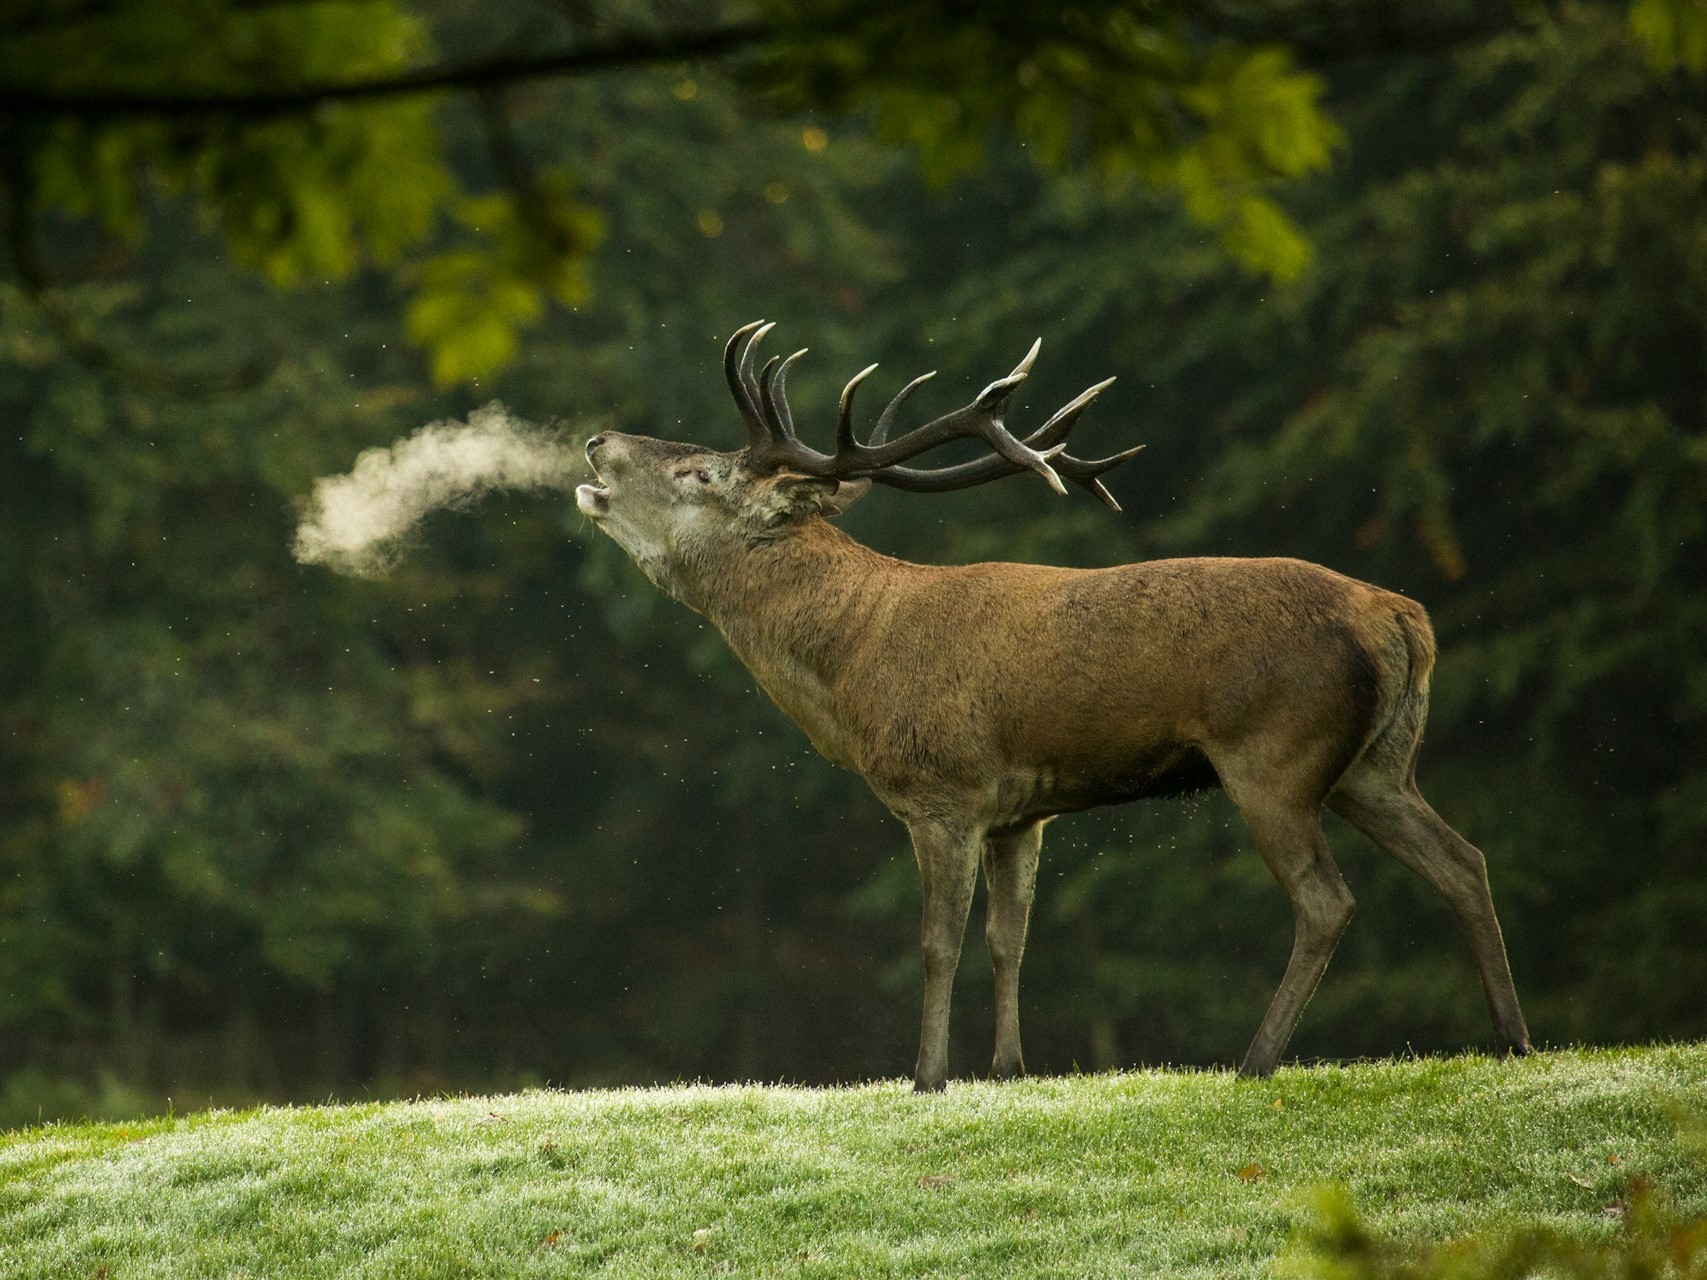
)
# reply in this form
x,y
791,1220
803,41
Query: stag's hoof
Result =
x,y
929,1086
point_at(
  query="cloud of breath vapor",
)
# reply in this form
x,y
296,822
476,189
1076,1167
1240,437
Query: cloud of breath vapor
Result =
x,y
359,523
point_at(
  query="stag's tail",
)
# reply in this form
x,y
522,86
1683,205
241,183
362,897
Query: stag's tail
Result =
x,y
1398,726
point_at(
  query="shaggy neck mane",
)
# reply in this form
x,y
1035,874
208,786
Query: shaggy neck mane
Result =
x,y
806,594
799,610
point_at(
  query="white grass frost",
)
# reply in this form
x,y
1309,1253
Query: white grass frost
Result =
x,y
1145,1173
360,522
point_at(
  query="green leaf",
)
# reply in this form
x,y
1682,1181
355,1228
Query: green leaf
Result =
x,y
466,313
1674,31
1264,239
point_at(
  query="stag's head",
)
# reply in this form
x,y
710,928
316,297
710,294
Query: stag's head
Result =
x,y
672,506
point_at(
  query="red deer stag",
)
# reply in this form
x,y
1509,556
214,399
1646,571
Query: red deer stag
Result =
x,y
980,701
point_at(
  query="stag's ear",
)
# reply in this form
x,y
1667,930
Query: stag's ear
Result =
x,y
846,494
793,496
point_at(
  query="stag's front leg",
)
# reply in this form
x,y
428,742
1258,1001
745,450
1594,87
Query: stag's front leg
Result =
x,y
1010,873
948,864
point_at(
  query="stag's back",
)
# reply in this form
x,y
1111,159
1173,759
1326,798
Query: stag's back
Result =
x,y
1093,686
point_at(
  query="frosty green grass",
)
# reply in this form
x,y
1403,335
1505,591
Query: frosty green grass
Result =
x,y
1150,1173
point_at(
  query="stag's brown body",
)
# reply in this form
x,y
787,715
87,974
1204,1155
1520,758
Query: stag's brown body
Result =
x,y
980,701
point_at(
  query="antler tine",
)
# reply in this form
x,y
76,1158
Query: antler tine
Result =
x,y
982,470
759,432
1062,420
784,418
1024,366
982,418
845,442
1023,455
1047,439
738,386
767,395
771,439
886,419
750,352
1085,474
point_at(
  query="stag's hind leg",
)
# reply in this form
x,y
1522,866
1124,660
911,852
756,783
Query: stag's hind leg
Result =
x,y
1296,852
1010,874
1382,802
1283,809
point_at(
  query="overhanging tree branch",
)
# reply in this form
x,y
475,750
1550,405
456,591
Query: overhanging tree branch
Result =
x,y
629,50
649,48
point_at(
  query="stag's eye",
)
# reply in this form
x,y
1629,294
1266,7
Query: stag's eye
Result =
x,y
703,476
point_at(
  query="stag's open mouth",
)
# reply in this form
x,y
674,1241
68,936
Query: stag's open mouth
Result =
x,y
593,499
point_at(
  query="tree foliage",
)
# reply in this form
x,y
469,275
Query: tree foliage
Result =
x,y
307,134
1653,1242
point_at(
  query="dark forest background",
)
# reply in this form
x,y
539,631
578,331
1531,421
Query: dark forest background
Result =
x,y
1426,303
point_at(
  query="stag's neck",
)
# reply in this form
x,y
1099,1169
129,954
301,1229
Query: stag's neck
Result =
x,y
795,610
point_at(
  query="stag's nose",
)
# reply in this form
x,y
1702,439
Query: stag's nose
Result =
x,y
594,443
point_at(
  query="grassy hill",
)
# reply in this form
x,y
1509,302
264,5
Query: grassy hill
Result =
x,y
1155,1173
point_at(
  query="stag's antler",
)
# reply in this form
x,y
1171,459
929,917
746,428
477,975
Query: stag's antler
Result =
x,y
773,444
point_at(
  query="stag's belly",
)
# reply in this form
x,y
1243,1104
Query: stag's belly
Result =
x,y
1042,791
